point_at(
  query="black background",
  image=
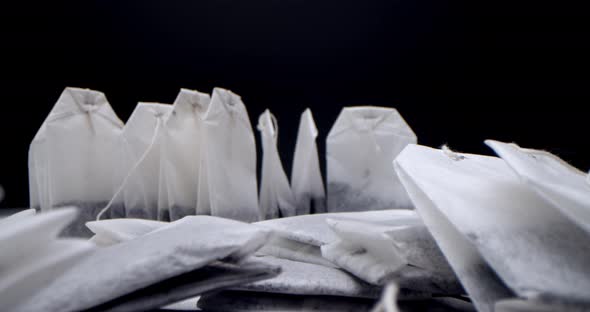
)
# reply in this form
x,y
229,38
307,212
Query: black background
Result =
x,y
458,71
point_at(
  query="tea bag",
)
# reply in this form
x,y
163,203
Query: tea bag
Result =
x,y
389,303
564,186
299,278
306,178
211,278
33,255
299,238
404,253
359,150
275,192
181,247
114,231
72,156
227,178
137,197
507,223
519,305
182,145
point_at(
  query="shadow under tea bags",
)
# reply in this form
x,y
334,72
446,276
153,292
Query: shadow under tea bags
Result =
x,y
72,156
227,179
275,192
306,178
359,150
180,159
137,197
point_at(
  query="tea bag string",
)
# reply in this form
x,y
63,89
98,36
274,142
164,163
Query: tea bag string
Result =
x,y
134,168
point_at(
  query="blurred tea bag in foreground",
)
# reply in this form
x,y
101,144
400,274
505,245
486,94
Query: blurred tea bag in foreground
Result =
x,y
360,147
72,157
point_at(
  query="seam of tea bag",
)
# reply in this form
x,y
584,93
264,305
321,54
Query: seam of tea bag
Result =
x,y
452,155
143,156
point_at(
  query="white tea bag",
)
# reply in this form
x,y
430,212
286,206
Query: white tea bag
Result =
x,y
114,231
275,192
32,255
507,222
180,247
306,178
359,150
182,146
227,178
566,187
72,156
137,197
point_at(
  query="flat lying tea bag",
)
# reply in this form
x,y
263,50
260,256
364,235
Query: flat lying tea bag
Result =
x,y
299,238
118,270
306,178
566,187
275,192
359,150
479,280
227,178
182,146
33,255
72,156
114,231
233,300
210,278
137,197
508,223
299,278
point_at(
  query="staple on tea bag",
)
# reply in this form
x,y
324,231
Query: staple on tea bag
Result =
x,y
306,177
359,150
479,280
182,146
275,193
227,178
180,247
552,178
72,156
137,196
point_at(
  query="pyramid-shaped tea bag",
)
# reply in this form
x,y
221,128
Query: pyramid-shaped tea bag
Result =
x,y
306,178
227,178
182,146
359,150
275,192
72,156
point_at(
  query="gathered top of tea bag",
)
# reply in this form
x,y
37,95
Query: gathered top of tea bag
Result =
x,y
140,127
360,147
561,184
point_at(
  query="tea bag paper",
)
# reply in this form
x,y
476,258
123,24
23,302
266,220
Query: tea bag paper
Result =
x,y
227,178
114,231
139,168
564,186
215,276
72,156
182,146
389,303
520,305
359,150
299,278
34,256
508,223
306,178
275,192
181,247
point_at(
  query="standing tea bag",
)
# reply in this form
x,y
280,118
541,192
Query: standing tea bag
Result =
x,y
72,156
509,224
306,177
566,187
227,178
359,150
139,167
275,192
180,159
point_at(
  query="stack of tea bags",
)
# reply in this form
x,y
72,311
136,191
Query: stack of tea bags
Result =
x,y
510,227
